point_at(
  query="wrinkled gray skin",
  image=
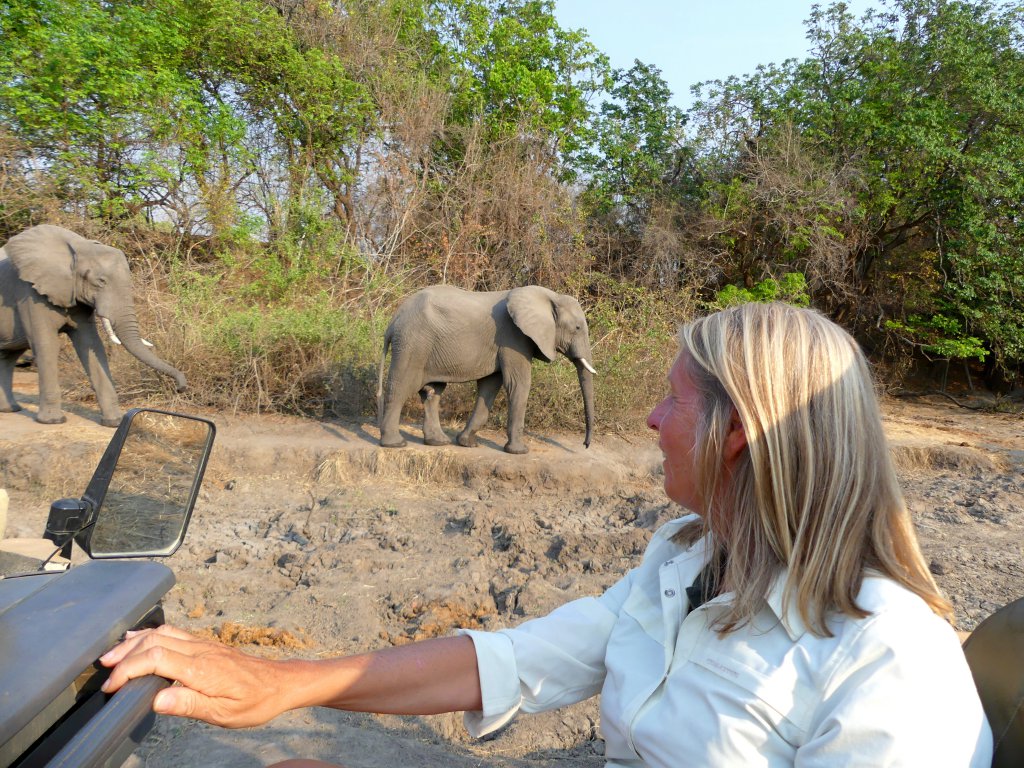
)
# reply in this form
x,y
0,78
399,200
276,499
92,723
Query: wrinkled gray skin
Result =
x,y
54,281
443,334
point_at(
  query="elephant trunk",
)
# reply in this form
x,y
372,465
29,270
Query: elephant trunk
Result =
x,y
127,329
585,372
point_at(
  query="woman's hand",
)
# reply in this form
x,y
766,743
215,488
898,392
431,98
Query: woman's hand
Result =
x,y
217,684
226,687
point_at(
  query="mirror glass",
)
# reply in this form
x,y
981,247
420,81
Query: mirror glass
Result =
x,y
153,486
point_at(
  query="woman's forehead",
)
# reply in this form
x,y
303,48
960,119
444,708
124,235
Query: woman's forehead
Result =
x,y
679,373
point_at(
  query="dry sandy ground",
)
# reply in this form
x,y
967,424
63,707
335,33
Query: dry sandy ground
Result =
x,y
310,540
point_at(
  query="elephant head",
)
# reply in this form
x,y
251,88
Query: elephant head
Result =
x,y
556,324
69,269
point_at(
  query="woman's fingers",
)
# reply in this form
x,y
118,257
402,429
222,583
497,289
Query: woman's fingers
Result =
x,y
166,657
165,651
133,638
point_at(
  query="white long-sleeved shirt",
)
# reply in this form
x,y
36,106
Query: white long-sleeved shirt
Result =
x,y
891,689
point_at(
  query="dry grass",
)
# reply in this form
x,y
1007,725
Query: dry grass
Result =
x,y
936,458
58,464
406,467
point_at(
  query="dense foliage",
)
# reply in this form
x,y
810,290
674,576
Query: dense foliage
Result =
x,y
887,168
306,155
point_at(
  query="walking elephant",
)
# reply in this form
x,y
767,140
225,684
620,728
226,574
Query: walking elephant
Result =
x,y
443,334
54,281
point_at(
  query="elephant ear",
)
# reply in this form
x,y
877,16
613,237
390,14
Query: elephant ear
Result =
x,y
532,308
44,256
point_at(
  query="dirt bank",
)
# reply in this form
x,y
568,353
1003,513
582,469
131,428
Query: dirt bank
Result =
x,y
309,539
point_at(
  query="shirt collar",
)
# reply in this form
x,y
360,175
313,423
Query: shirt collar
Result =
x,y
789,615
775,599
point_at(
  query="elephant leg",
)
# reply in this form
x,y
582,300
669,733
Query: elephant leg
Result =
x,y
431,397
517,387
46,348
396,393
486,390
8,358
86,341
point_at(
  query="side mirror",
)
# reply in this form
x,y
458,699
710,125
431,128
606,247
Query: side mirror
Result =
x,y
140,499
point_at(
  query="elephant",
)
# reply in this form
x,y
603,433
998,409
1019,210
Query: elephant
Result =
x,y
443,334
53,281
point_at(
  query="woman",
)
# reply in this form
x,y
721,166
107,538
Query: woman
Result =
x,y
790,619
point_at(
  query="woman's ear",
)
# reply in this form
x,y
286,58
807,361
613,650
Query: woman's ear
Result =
x,y
735,438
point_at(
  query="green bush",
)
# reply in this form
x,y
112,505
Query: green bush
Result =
x,y
790,288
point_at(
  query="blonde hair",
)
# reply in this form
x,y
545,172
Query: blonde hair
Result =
x,y
815,490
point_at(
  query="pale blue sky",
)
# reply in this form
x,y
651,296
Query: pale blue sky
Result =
x,y
691,41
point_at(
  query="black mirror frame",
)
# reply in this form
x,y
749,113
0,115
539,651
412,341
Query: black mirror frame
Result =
x,y
96,491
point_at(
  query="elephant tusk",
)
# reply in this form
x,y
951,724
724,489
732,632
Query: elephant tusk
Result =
x,y
110,330
113,336
588,366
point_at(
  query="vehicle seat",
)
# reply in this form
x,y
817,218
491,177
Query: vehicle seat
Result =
x,y
995,653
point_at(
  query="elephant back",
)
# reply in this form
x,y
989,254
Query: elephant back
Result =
x,y
446,309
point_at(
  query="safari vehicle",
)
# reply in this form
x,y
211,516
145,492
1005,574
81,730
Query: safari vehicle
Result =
x,y
57,618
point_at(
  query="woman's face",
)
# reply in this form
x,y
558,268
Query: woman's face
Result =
x,y
675,419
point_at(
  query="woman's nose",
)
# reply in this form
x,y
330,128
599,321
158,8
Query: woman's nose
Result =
x,y
654,417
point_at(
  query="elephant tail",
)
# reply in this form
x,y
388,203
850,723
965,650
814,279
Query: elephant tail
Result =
x,y
380,374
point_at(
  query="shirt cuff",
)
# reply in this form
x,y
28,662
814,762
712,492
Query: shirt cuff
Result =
x,y
499,683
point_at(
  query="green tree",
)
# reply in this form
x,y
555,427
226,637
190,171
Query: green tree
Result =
x,y
516,70
638,156
921,104
97,90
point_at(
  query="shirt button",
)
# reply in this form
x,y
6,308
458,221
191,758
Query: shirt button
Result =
x,y
668,562
670,593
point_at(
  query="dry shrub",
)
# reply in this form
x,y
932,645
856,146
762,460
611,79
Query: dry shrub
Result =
x,y
494,219
28,196
306,352
632,332
785,208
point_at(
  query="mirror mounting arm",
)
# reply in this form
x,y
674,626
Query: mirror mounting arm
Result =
x,y
67,518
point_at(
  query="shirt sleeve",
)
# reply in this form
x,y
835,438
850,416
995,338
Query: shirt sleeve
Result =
x,y
544,663
896,701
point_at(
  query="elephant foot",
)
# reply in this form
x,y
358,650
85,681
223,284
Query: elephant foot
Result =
x,y
517,448
437,440
5,408
58,419
466,440
392,443
110,422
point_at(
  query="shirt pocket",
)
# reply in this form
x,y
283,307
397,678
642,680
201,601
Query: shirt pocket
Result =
x,y
775,694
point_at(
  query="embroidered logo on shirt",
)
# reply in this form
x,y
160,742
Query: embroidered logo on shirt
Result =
x,y
710,662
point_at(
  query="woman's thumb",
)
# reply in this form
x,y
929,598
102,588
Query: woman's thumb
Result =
x,y
177,701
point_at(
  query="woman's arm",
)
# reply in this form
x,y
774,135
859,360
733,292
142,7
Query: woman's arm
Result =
x,y
226,687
